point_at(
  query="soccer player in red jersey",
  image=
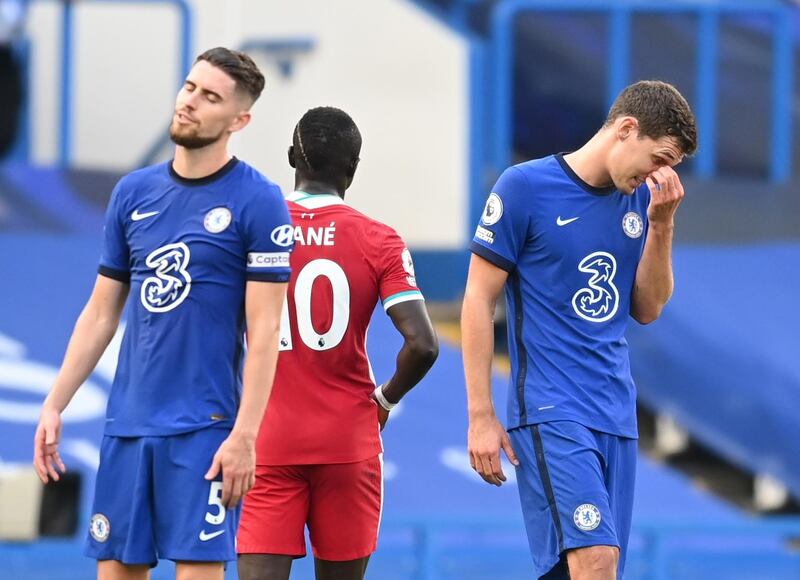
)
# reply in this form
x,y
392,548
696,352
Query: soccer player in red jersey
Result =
x,y
319,451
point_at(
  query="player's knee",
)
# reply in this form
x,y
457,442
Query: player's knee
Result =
x,y
593,562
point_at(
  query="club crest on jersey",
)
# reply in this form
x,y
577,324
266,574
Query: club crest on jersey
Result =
x,y
408,266
632,224
599,299
99,527
493,210
283,235
170,283
217,220
586,517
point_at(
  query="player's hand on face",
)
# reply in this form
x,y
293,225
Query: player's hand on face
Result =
x,y
236,460
485,438
666,193
46,459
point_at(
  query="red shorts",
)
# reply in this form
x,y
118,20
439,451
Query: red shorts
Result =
x,y
341,504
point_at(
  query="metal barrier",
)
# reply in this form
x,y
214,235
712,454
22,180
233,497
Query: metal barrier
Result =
x,y
656,534
20,151
619,14
67,29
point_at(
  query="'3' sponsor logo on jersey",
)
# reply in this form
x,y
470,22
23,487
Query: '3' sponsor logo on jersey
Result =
x,y
171,282
598,301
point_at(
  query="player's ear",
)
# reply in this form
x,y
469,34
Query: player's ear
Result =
x,y
241,121
351,171
291,157
627,126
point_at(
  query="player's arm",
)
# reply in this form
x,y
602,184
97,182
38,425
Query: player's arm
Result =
x,y
486,435
236,457
654,281
417,355
93,331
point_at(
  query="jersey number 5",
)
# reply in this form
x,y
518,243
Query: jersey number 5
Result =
x,y
302,304
214,500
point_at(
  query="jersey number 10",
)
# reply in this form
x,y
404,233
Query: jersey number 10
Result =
x,y
302,304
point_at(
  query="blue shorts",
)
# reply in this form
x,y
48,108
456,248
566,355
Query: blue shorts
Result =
x,y
152,502
576,489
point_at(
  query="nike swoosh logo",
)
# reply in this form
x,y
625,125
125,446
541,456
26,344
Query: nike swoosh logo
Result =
x,y
136,216
204,537
560,222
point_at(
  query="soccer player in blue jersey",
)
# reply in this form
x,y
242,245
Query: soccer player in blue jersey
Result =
x,y
580,241
201,245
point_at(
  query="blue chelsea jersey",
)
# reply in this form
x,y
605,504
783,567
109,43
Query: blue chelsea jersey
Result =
x,y
188,247
571,252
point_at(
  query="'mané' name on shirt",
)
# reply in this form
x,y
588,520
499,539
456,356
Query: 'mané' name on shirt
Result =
x,y
311,236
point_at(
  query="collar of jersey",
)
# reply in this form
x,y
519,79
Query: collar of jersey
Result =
x,y
600,191
314,200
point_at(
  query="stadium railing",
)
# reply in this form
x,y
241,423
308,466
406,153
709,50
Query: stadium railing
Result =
x,y
185,24
619,14
662,549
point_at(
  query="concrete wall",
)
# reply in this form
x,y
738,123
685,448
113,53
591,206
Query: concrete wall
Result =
x,y
402,75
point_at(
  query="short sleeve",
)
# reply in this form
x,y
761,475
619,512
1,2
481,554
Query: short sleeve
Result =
x,y
115,255
503,228
268,236
398,282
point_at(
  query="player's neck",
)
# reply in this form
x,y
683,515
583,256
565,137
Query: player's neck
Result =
x,y
198,163
318,187
590,161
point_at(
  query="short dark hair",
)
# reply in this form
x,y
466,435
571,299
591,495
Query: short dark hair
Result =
x,y
239,66
661,111
327,142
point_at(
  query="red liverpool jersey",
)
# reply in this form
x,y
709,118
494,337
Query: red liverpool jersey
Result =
x,y
343,262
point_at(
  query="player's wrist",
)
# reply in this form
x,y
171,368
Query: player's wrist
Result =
x,y
49,406
477,415
663,226
381,399
247,434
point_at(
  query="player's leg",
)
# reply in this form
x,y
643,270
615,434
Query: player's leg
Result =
x,y
345,514
264,567
620,455
115,570
191,524
564,499
349,570
199,571
274,516
593,563
608,562
120,534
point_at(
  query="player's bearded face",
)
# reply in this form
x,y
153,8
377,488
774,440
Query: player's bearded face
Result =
x,y
192,137
206,108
